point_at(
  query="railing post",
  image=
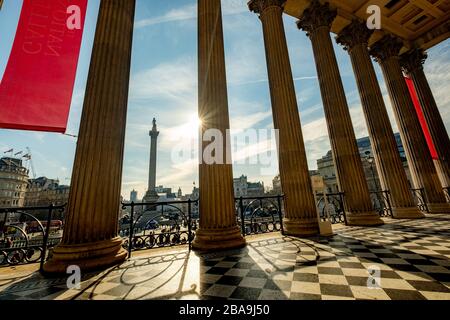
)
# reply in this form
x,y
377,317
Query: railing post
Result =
x,y
342,202
424,197
46,235
388,201
241,209
130,244
447,193
190,224
280,214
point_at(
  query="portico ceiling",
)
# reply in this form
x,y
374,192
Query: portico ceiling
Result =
x,y
422,23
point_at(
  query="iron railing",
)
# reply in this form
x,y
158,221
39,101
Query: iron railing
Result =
x,y
24,238
159,224
256,215
381,202
420,199
447,193
331,207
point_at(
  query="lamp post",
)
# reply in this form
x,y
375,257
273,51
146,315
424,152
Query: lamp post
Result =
x,y
370,159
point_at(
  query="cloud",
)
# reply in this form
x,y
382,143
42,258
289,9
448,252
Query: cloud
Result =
x,y
173,80
189,12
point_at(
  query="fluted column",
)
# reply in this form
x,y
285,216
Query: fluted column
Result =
x,y
90,238
420,163
316,21
218,228
355,38
299,203
412,63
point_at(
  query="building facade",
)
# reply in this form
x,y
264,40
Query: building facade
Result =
x,y
13,183
44,192
327,170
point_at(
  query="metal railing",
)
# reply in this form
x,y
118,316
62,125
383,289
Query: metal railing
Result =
x,y
24,238
256,215
381,202
447,193
331,207
159,224
420,199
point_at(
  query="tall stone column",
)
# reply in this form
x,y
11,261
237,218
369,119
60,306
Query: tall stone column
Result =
x,y
299,203
420,163
152,195
218,227
90,238
393,177
412,63
316,21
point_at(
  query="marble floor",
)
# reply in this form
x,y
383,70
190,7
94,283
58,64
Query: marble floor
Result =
x,y
404,259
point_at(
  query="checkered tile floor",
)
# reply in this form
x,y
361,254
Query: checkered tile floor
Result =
x,y
412,259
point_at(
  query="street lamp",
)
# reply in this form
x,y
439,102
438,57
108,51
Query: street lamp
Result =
x,y
371,161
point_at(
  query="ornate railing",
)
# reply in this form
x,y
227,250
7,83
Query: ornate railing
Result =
x,y
331,207
447,193
381,203
26,239
420,199
256,215
160,224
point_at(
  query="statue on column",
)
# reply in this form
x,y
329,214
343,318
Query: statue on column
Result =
x,y
151,194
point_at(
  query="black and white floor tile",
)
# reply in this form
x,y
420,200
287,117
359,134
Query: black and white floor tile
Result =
x,y
411,260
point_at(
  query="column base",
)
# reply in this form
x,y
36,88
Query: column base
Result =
x,y
439,207
407,213
208,240
370,218
301,227
87,256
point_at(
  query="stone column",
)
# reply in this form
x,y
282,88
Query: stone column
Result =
x,y
90,238
412,63
299,203
152,195
316,21
393,177
218,227
420,163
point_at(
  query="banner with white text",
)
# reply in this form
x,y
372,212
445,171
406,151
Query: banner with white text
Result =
x,y
37,86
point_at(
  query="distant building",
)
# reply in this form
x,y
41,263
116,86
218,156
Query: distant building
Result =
x,y
13,182
243,188
276,185
327,170
180,193
317,183
165,193
133,196
44,191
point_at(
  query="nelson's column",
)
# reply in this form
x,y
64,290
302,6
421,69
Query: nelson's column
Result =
x,y
152,195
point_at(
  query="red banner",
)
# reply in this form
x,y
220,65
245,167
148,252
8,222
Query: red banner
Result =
x,y
423,122
37,86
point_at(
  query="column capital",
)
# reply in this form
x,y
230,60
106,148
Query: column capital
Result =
x,y
315,16
413,60
354,34
388,46
259,6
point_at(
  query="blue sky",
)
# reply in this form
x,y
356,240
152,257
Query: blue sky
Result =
x,y
164,85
